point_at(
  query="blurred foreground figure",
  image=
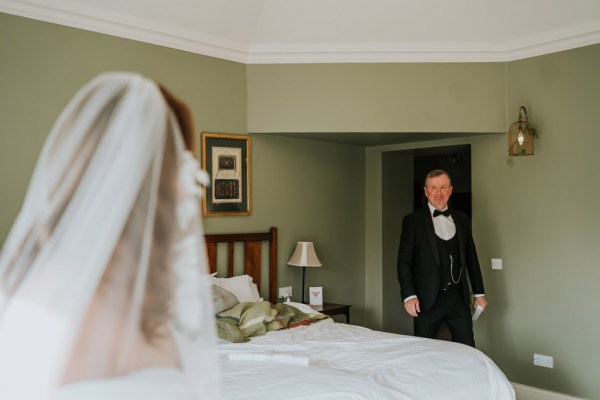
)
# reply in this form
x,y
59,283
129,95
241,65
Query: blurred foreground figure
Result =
x,y
103,285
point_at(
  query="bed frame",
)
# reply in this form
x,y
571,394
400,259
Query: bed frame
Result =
x,y
253,243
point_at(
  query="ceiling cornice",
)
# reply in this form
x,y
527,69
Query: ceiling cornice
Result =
x,y
128,28
168,36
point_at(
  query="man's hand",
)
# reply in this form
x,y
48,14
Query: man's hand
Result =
x,y
480,301
412,307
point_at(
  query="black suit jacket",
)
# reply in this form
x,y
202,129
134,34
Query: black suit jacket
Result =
x,y
419,261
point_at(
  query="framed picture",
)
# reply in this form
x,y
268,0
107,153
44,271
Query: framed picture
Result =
x,y
316,295
227,160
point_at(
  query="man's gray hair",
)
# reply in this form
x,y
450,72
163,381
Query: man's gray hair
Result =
x,y
437,172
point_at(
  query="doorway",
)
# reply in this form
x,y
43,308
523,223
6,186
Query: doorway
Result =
x,y
403,173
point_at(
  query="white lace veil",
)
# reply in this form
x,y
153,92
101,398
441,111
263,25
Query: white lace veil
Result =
x,y
104,270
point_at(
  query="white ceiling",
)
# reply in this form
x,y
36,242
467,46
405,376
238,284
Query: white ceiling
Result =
x,y
322,31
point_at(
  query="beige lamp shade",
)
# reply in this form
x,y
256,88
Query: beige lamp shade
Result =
x,y
305,256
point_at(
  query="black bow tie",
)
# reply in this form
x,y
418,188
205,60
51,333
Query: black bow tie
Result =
x,y
445,213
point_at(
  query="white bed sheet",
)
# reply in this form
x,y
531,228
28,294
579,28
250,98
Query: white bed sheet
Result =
x,y
330,360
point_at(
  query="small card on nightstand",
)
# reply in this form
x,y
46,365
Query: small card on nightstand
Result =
x,y
315,295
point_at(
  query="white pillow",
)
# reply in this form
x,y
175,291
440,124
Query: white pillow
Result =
x,y
241,286
222,299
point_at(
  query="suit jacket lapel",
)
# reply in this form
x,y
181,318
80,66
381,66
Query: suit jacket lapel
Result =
x,y
461,239
431,234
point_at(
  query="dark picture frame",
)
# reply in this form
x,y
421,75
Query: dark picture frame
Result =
x,y
227,159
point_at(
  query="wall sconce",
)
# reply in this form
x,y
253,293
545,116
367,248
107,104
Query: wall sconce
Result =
x,y
521,135
304,256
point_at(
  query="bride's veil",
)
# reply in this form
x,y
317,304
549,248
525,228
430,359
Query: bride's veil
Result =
x,y
103,273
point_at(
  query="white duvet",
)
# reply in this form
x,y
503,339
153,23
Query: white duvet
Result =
x,y
330,360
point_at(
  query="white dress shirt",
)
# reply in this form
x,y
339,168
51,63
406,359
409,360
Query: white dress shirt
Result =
x,y
444,226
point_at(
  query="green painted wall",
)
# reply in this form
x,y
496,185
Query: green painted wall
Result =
x,y
42,65
376,98
312,192
296,184
538,217
535,215
330,98
397,177
415,98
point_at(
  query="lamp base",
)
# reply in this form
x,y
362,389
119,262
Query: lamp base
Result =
x,y
303,276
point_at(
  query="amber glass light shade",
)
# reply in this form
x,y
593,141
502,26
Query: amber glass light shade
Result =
x,y
520,136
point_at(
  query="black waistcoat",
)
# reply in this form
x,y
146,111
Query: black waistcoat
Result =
x,y
449,262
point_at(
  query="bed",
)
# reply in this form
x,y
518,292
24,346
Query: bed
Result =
x,y
330,360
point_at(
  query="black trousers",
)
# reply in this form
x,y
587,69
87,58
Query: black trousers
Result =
x,y
450,307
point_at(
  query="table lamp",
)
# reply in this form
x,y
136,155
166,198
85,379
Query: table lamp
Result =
x,y
304,256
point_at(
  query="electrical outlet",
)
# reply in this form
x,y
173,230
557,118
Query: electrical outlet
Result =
x,y
285,292
543,361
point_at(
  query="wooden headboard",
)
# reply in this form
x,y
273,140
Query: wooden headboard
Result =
x,y
252,255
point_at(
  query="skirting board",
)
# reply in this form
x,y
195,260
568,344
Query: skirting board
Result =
x,y
524,392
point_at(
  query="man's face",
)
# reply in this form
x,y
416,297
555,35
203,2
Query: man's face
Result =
x,y
438,191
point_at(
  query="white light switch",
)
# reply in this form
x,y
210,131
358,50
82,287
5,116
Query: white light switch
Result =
x,y
496,263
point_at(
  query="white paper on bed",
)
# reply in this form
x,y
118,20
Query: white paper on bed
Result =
x,y
351,362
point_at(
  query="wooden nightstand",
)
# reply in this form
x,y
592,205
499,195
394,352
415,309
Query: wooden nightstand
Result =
x,y
334,309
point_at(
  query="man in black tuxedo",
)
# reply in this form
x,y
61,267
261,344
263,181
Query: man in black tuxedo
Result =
x,y
436,259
